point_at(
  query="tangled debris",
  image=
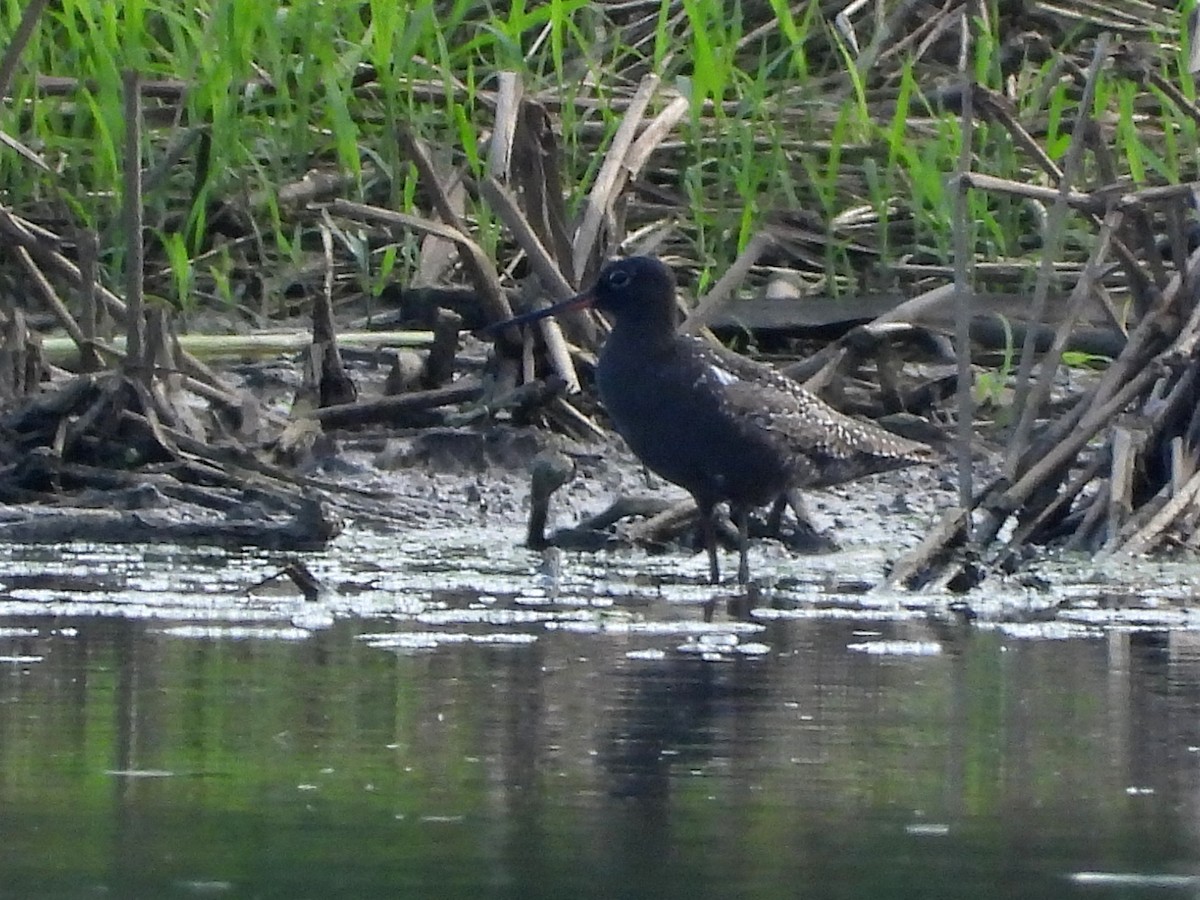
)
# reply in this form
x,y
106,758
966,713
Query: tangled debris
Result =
x,y
144,424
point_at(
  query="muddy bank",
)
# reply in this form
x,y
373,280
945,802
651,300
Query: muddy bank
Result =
x,y
479,475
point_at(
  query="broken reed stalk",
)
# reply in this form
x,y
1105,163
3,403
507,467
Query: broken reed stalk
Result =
x,y
547,271
1120,483
89,257
623,161
443,352
478,266
504,124
50,297
586,253
333,382
525,194
537,179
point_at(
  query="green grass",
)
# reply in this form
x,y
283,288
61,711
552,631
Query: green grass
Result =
x,y
782,120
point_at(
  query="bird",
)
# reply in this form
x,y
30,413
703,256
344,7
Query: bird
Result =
x,y
725,428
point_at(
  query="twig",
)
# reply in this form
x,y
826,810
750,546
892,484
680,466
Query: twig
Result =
x,y
1079,294
543,264
1075,199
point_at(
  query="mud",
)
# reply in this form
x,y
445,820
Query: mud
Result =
x,y
464,574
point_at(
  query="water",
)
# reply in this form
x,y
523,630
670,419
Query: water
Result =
x,y
449,723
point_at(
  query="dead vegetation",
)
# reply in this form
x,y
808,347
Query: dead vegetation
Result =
x,y
1108,258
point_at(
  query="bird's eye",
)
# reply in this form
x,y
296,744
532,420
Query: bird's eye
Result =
x,y
618,278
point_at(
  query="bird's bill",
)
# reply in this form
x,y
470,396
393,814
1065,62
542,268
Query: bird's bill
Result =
x,y
579,301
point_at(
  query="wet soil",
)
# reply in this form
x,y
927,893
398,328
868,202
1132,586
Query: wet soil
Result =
x,y
460,716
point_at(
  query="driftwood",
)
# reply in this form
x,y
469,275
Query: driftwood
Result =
x,y
46,525
998,321
129,434
402,410
155,507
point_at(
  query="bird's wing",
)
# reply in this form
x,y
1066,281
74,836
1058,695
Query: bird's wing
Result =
x,y
805,423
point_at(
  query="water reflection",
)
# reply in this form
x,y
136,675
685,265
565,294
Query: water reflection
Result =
x,y
136,762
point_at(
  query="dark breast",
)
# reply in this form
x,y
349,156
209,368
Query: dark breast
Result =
x,y
671,407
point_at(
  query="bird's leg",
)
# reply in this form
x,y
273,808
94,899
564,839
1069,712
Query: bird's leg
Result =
x,y
708,532
775,517
793,498
804,537
741,516
808,536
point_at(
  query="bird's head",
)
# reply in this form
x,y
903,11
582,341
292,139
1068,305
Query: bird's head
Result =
x,y
637,287
638,291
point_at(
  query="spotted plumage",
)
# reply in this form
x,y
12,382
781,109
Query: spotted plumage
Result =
x,y
725,428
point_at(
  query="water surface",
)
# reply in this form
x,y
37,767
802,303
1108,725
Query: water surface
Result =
x,y
450,722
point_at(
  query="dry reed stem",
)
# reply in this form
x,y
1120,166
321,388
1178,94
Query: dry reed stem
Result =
x,y
51,299
1175,507
131,217
586,252
504,131
475,261
1025,410
963,300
